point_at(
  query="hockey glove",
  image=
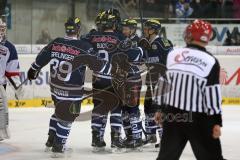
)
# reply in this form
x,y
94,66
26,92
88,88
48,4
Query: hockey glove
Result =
x,y
32,74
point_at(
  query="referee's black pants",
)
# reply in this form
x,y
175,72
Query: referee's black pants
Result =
x,y
197,130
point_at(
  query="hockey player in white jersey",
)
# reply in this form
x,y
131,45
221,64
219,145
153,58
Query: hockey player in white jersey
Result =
x,y
9,70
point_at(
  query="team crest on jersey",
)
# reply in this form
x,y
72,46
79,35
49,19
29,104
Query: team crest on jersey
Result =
x,y
154,46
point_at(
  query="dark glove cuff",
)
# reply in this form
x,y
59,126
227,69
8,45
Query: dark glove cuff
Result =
x,y
217,119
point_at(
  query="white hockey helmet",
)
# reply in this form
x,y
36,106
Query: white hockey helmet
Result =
x,y
3,30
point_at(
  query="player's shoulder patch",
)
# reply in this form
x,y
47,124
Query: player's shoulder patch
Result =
x,y
166,42
154,46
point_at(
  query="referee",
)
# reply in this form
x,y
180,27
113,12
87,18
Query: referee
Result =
x,y
193,77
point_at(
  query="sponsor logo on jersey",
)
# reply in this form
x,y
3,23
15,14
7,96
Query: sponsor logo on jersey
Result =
x,y
184,58
65,49
103,39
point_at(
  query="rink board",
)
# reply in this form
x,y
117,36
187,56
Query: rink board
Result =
x,y
47,102
37,92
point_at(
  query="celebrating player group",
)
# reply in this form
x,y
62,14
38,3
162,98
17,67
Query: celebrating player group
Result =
x,y
178,82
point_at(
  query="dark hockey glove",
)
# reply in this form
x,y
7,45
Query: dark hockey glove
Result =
x,y
144,44
32,74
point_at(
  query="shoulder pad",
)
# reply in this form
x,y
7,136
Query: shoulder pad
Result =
x,y
163,42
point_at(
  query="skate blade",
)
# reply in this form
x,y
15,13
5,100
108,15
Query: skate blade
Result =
x,y
137,149
66,154
98,149
149,145
118,150
151,148
58,155
47,149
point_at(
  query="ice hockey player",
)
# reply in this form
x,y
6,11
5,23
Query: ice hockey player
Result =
x,y
193,74
66,83
105,101
116,13
129,27
132,123
154,53
97,24
9,70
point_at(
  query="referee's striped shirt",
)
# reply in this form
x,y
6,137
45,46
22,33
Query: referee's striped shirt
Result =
x,y
192,82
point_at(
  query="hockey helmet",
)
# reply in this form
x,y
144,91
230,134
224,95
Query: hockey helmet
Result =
x,y
132,23
108,20
199,30
73,25
153,24
116,13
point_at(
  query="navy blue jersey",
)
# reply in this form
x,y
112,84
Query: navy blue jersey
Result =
x,y
135,40
157,54
160,48
65,83
106,45
135,56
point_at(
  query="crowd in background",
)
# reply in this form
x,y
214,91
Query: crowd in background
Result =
x,y
188,8
206,8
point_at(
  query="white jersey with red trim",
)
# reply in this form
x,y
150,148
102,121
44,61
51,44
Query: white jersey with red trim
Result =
x,y
9,66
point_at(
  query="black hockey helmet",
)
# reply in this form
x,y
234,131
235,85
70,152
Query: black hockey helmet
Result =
x,y
108,21
132,23
73,25
98,18
116,13
153,24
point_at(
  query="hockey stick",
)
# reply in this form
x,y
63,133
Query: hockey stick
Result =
x,y
14,84
141,20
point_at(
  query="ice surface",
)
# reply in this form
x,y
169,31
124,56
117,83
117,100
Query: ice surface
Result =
x,y
29,132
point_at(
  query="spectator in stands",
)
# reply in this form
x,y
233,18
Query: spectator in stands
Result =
x,y
183,9
197,7
44,38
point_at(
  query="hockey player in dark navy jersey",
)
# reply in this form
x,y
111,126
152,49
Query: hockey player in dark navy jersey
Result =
x,y
66,83
132,87
105,43
155,53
